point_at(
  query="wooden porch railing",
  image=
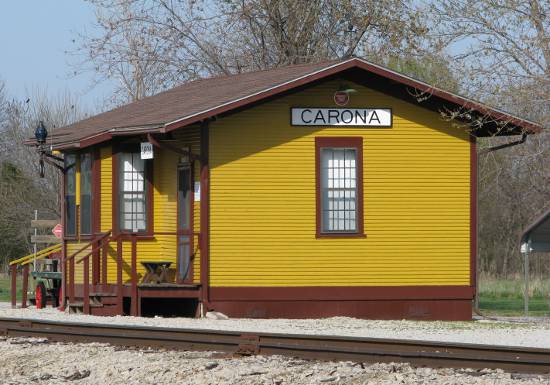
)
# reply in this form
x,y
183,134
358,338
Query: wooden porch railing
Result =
x,y
26,261
101,244
98,244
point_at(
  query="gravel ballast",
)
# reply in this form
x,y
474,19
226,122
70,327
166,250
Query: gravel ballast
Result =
x,y
38,361
530,334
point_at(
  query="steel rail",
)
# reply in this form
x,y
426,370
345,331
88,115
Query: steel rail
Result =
x,y
358,349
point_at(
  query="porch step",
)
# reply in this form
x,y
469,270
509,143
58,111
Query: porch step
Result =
x,y
110,300
77,307
102,294
105,310
81,304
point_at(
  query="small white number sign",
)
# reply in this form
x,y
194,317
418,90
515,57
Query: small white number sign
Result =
x,y
146,150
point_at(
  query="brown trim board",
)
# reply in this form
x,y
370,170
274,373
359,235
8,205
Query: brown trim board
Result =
x,y
340,293
448,310
376,302
473,212
205,214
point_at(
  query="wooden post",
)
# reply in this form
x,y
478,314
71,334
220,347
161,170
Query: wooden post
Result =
x,y
119,276
204,216
86,291
95,262
104,264
13,269
62,210
526,275
134,307
25,287
71,280
62,302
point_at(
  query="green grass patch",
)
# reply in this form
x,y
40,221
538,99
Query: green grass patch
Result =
x,y
5,288
505,297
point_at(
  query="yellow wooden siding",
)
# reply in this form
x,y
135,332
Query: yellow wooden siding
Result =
x,y
106,198
162,247
416,199
73,247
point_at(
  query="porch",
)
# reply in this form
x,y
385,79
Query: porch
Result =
x,y
93,293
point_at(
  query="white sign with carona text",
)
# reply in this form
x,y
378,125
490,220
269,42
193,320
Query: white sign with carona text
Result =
x,y
356,117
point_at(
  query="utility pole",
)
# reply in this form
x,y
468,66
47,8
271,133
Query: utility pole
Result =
x,y
526,272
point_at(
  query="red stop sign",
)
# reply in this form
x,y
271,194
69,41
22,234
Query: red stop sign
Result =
x,y
58,231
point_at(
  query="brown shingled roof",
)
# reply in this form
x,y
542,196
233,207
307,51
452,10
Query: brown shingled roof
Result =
x,y
157,110
197,100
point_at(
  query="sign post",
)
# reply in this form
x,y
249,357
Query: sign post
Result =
x,y
526,268
35,234
525,249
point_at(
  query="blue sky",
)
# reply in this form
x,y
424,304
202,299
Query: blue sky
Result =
x,y
34,35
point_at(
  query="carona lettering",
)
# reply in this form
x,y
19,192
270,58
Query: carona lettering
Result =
x,y
341,116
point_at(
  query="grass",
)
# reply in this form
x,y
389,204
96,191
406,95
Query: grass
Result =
x,y
505,297
5,288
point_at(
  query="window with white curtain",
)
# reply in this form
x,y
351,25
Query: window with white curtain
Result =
x,y
133,194
339,190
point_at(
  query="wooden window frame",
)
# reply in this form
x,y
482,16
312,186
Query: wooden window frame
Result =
x,y
339,142
117,150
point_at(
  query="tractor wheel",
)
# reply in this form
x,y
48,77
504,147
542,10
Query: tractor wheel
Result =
x,y
40,296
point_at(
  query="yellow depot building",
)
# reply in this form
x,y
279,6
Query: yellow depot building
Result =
x,y
331,189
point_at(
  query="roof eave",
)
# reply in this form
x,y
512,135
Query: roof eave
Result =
x,y
493,113
99,137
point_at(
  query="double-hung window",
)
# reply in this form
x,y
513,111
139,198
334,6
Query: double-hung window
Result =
x,y
86,193
339,186
133,193
70,195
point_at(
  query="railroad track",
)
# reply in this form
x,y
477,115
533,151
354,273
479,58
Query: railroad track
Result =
x,y
417,353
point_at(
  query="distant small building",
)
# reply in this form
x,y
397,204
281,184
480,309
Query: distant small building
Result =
x,y
306,191
536,236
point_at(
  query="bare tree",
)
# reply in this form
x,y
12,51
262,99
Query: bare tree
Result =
x,y
501,48
21,189
150,45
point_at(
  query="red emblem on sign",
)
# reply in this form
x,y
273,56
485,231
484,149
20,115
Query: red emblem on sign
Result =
x,y
341,98
57,231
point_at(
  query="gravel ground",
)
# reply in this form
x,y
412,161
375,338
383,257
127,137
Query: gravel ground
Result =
x,y
510,333
37,361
